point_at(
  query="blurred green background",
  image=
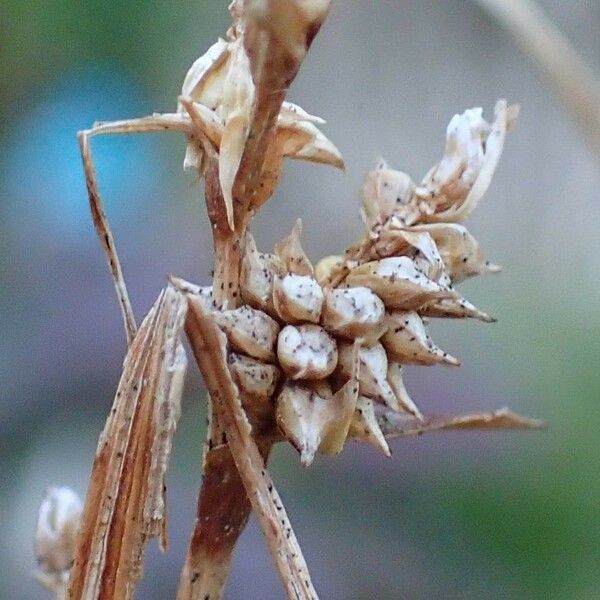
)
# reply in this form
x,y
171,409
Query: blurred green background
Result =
x,y
462,515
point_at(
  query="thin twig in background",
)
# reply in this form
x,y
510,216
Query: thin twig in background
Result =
x,y
539,38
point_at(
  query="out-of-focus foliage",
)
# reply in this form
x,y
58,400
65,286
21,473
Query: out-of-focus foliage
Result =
x,y
508,515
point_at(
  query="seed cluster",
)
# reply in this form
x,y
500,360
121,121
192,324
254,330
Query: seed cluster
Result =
x,y
316,349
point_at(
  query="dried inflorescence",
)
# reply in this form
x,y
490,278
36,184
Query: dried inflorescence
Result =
x,y
289,351
373,302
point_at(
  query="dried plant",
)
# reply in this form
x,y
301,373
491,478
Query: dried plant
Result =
x,y
288,351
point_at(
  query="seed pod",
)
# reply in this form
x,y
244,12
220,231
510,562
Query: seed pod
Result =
x,y
304,413
203,294
250,331
372,371
404,401
344,403
387,192
354,312
398,283
256,276
254,378
306,352
459,250
290,252
408,342
326,266
297,298
455,308
57,529
364,425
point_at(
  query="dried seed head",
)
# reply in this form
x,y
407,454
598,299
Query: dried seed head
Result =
x,y
386,192
398,282
354,312
255,378
408,342
396,380
306,352
250,331
297,298
459,250
364,425
304,414
372,371
57,528
256,276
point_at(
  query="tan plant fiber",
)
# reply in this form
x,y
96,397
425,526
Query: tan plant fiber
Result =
x,y
288,351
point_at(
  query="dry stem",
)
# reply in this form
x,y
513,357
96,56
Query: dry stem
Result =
x,y
539,38
209,347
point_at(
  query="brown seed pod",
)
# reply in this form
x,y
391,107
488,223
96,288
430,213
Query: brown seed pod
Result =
x,y
407,341
354,312
250,331
306,352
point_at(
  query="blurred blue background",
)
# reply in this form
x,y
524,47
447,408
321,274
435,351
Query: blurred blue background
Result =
x,y
462,515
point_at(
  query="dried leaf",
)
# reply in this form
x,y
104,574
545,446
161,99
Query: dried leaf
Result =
x,y
125,502
395,424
